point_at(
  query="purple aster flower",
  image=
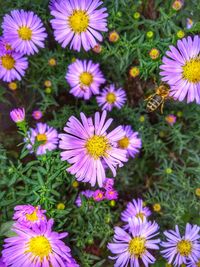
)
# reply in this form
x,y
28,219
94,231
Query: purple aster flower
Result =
x,y
29,215
24,31
37,114
170,119
179,249
111,97
111,194
17,115
135,209
78,22
180,69
86,193
84,78
5,46
44,137
98,195
12,65
134,248
130,142
2,264
39,246
86,144
108,183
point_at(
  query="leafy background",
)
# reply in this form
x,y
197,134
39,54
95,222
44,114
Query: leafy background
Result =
x,y
167,171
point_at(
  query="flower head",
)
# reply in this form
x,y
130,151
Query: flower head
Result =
x,y
12,65
180,34
154,53
130,141
133,248
97,48
37,114
179,249
24,31
113,37
29,215
189,23
52,62
44,136
98,195
87,144
78,23
170,119
12,86
17,115
39,246
135,209
180,69
84,78
86,193
108,183
111,194
134,72
177,4
111,97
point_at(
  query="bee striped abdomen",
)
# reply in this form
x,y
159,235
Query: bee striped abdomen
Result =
x,y
154,103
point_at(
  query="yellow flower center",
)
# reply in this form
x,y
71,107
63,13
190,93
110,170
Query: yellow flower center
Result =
x,y
97,146
184,247
42,138
86,78
39,246
124,143
191,70
140,215
8,62
25,33
137,246
79,21
111,98
32,217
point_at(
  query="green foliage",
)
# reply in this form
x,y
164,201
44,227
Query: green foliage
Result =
x,y
167,171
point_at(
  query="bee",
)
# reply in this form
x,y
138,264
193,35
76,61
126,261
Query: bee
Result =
x,y
157,99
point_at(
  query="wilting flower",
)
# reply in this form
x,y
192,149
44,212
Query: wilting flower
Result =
x,y
111,194
88,144
189,23
39,246
134,72
132,249
179,249
130,141
86,193
113,37
154,53
17,115
29,215
78,23
181,68
24,31
44,136
170,119
177,4
85,78
97,48
135,209
12,65
111,97
98,195
37,114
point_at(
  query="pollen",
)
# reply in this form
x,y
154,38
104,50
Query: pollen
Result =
x,y
25,33
39,246
111,98
137,246
32,217
191,70
79,21
42,138
8,62
124,142
97,146
86,78
140,215
184,247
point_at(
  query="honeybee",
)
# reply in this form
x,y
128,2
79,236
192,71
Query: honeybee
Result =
x,y
157,99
